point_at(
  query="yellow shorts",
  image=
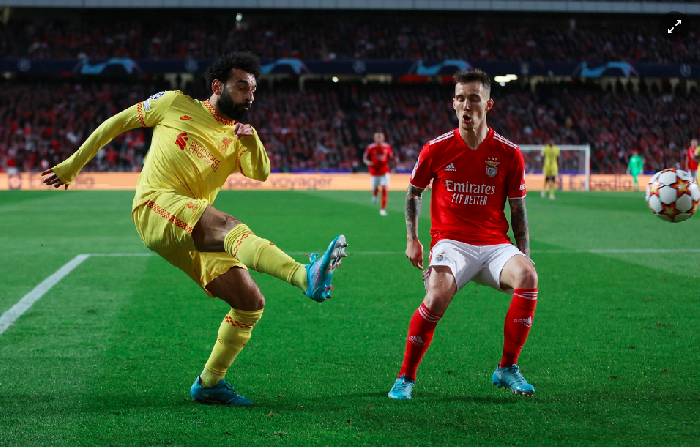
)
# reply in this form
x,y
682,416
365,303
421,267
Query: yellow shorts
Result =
x,y
165,221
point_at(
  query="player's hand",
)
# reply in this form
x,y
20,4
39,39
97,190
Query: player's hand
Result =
x,y
50,178
242,130
414,253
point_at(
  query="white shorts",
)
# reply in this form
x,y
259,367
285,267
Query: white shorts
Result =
x,y
380,180
468,262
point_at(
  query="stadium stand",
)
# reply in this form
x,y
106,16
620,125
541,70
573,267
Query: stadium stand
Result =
x,y
326,125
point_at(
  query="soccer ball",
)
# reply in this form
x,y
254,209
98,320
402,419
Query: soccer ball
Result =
x,y
673,195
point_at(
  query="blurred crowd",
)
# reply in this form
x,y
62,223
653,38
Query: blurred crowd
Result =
x,y
327,125
201,34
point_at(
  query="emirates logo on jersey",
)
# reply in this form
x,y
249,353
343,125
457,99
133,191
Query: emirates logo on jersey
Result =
x,y
492,166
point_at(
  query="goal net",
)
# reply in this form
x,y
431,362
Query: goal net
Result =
x,y
574,165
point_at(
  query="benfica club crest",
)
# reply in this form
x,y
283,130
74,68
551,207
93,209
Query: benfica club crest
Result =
x,y
492,166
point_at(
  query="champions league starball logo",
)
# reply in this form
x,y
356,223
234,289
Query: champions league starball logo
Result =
x,y
492,166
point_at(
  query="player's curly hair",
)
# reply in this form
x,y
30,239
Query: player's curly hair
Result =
x,y
242,60
474,74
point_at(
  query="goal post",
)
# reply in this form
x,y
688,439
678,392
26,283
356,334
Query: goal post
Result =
x,y
574,164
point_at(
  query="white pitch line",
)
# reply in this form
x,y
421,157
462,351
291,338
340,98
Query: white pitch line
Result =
x,y
29,299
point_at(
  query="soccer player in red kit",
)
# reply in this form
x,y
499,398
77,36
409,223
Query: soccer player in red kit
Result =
x,y
473,170
691,157
378,156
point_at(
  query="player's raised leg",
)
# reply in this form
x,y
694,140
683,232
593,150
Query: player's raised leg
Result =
x,y
518,274
217,231
238,289
441,287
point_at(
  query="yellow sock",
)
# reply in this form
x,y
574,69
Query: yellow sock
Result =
x,y
263,256
234,333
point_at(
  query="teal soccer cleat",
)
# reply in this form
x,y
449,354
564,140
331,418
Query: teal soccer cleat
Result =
x,y
319,271
511,378
402,389
222,393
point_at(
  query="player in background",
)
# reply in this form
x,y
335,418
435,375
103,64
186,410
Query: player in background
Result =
x,y
635,166
196,145
697,160
473,171
379,158
550,152
691,162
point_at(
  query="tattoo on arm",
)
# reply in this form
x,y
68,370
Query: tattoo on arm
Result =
x,y
518,221
413,207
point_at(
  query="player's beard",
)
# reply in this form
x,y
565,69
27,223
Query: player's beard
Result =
x,y
235,111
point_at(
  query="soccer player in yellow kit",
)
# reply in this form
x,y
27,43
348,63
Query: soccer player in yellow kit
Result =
x,y
196,145
550,168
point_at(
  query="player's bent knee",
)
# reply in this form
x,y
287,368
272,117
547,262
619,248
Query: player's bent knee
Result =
x,y
526,277
211,229
438,299
519,272
249,301
237,288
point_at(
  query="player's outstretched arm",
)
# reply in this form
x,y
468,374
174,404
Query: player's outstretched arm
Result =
x,y
518,221
255,164
65,172
414,248
144,114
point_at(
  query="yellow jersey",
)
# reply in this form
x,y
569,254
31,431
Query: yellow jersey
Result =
x,y
193,150
551,160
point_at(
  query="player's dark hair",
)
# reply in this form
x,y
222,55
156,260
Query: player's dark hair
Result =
x,y
475,74
242,60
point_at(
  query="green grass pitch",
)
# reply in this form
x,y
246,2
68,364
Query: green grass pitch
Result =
x,y
107,356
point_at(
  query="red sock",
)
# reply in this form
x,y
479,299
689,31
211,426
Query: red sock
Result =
x,y
420,334
375,191
517,325
384,197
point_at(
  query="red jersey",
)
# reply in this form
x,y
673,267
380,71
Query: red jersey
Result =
x,y
470,186
692,163
379,155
